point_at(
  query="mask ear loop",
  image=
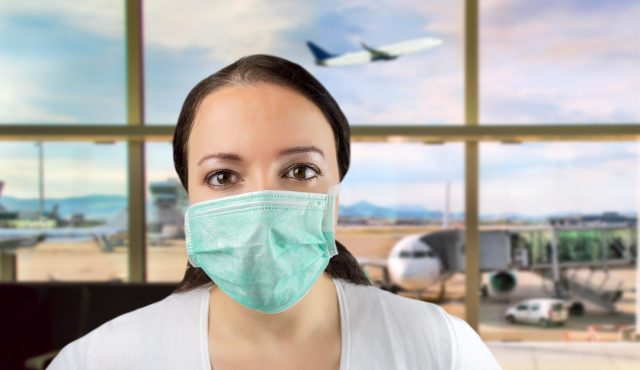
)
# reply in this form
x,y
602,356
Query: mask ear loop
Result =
x,y
329,218
187,235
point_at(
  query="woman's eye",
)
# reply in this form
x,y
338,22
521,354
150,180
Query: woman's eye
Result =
x,y
302,173
221,179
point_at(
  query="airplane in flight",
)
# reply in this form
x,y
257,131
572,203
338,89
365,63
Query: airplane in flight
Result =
x,y
371,54
418,262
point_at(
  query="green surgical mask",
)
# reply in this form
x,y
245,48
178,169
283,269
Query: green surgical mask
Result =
x,y
265,249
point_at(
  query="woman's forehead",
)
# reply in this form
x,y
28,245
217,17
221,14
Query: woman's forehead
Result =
x,y
264,117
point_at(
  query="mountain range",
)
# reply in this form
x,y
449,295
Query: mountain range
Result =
x,y
102,206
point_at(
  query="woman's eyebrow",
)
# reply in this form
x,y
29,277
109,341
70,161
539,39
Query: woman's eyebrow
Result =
x,y
223,156
301,149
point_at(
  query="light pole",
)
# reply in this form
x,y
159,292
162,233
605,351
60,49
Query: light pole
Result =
x,y
40,178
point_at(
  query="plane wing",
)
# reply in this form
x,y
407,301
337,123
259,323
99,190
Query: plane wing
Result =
x,y
377,263
410,46
377,54
100,234
374,262
17,242
348,59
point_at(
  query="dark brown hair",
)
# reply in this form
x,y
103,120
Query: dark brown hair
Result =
x,y
254,69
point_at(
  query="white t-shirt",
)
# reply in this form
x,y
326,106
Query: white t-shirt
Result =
x,y
380,330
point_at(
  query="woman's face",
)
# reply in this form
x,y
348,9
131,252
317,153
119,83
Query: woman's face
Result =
x,y
259,137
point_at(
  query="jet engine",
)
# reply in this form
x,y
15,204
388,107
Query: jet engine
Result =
x,y
502,282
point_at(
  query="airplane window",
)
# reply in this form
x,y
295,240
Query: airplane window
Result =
x,y
423,254
405,254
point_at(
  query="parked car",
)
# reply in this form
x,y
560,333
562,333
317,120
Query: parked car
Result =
x,y
541,311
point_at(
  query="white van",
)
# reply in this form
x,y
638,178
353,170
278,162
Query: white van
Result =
x,y
541,311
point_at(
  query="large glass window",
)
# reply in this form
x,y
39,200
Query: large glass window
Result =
x,y
559,62
62,62
568,212
557,219
393,200
538,180
63,210
185,42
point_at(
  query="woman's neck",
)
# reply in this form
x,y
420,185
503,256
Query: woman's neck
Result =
x,y
314,316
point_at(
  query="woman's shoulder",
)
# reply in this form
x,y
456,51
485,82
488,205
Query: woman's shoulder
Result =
x,y
132,336
175,310
421,327
369,299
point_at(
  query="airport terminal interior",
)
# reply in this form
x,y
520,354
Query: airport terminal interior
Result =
x,y
495,161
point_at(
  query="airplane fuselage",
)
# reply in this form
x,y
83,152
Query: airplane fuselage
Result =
x,y
371,54
413,265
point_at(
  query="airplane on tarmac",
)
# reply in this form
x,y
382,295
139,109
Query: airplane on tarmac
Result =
x,y
371,54
107,235
418,262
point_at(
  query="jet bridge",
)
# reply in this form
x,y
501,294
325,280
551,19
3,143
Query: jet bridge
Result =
x,y
553,252
495,249
558,252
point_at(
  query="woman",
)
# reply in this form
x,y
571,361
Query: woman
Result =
x,y
261,148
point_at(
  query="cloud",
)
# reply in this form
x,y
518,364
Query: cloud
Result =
x,y
225,29
541,191
70,169
562,63
553,153
222,32
539,179
62,62
417,88
99,17
19,96
539,64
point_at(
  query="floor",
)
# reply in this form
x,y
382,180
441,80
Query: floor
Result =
x,y
582,356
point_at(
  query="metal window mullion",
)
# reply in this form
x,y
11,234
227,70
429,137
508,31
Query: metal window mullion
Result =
x,y
135,145
471,252
374,133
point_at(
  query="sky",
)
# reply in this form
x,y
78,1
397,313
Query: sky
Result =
x,y
540,62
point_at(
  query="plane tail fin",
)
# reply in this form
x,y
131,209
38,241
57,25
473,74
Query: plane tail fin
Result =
x,y
318,52
120,222
366,47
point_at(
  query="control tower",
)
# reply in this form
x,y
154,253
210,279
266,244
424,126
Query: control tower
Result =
x,y
1,187
169,200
